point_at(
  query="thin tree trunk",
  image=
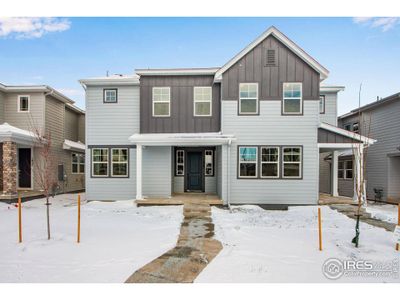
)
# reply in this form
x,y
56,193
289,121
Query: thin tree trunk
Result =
x,y
48,217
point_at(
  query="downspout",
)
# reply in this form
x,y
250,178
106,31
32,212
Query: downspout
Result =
x,y
228,175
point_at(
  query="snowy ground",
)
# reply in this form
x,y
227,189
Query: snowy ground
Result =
x,y
384,212
282,246
116,239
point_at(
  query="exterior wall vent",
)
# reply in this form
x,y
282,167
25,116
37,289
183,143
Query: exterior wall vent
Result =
x,y
271,57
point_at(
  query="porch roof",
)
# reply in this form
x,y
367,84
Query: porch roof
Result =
x,y
17,135
74,146
181,139
357,138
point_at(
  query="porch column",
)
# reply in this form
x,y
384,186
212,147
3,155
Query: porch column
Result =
x,y
334,175
9,169
139,154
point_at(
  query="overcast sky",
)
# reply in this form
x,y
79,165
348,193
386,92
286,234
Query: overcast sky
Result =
x,y
60,51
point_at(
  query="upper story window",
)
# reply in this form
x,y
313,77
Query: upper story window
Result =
x,y
202,101
248,98
110,96
292,98
322,104
347,127
356,127
161,101
248,161
23,103
78,163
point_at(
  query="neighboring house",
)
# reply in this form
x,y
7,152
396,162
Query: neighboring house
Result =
x,y
379,120
23,111
250,131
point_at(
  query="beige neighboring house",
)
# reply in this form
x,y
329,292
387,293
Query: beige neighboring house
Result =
x,y
23,109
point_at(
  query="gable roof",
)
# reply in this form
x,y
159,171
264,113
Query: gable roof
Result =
x,y
284,40
372,105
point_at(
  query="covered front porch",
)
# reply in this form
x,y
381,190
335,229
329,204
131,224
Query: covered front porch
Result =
x,y
17,149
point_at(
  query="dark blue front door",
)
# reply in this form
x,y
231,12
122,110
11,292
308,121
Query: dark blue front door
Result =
x,y
194,171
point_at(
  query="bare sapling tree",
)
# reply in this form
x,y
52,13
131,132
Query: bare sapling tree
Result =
x,y
360,151
44,167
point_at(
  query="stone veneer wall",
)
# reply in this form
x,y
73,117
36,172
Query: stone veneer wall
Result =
x,y
9,168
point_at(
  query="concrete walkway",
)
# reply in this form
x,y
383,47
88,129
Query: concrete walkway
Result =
x,y
194,250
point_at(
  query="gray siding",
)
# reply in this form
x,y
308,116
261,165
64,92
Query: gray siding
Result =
x,y
179,184
71,125
35,117
263,130
2,100
324,174
394,179
219,170
182,117
157,172
81,129
330,115
346,187
111,124
252,68
325,136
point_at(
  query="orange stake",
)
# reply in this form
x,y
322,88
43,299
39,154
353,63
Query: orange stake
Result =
x,y
319,229
398,223
20,219
79,219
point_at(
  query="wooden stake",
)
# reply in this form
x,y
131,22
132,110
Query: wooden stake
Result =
x,y
398,223
20,219
79,219
319,229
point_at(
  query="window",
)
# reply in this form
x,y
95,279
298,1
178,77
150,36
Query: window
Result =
x,y
209,162
110,96
356,127
345,169
247,162
321,104
180,163
270,162
347,127
23,103
291,162
248,98
202,101
78,163
292,98
119,162
99,162
161,101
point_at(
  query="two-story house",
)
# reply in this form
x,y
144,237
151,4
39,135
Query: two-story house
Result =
x,y
378,120
250,131
25,110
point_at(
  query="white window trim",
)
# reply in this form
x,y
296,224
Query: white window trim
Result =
x,y
240,99
346,169
105,95
256,162
93,162
324,103
269,162
19,103
158,101
292,98
78,163
292,162
179,164
212,162
118,162
202,101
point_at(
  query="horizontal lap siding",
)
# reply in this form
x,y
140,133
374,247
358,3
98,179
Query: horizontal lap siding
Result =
x,y
270,128
157,172
324,174
179,184
111,124
2,99
394,179
71,125
219,170
330,115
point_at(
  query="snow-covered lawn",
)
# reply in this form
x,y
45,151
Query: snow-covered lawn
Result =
x,y
116,239
384,212
282,246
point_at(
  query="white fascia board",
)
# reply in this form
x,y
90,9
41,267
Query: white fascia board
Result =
x,y
181,139
110,81
75,108
347,133
331,89
337,145
74,146
283,39
177,72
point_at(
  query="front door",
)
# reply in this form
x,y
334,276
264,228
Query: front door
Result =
x,y
24,168
194,172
